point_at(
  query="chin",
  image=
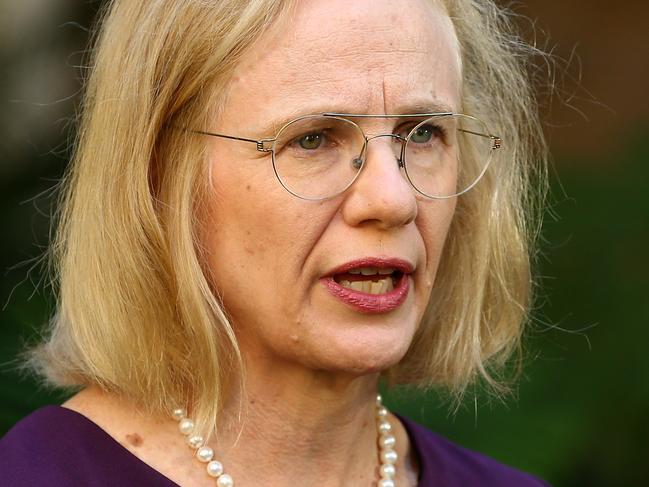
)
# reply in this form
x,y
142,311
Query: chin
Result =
x,y
339,338
369,353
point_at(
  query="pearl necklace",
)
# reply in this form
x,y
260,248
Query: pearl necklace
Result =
x,y
205,454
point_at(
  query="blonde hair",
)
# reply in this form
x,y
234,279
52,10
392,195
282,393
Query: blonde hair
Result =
x,y
136,313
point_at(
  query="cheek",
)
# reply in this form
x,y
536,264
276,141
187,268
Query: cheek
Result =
x,y
258,234
434,220
240,193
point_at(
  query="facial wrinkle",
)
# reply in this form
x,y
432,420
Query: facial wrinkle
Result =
x,y
385,107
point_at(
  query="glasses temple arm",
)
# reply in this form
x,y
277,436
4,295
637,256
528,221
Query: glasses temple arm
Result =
x,y
224,136
497,141
260,143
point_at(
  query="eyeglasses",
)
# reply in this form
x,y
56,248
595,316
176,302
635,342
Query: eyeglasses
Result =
x,y
316,157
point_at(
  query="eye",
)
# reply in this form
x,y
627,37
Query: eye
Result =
x,y
310,141
425,133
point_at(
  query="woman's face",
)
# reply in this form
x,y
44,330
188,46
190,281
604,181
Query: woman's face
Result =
x,y
277,261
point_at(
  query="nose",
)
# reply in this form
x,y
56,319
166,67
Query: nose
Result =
x,y
381,195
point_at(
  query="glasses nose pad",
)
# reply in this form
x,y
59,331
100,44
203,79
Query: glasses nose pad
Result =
x,y
359,160
402,151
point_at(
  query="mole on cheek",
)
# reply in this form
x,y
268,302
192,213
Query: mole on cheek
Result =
x,y
134,439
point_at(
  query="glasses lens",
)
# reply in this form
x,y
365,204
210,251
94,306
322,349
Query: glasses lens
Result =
x,y
317,157
446,155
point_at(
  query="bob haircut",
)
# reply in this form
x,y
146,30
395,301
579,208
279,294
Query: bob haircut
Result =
x,y
137,313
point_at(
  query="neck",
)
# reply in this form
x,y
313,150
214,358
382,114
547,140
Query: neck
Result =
x,y
314,428
323,437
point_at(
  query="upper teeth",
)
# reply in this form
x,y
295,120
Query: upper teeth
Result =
x,y
371,271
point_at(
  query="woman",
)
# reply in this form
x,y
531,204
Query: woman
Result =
x,y
272,205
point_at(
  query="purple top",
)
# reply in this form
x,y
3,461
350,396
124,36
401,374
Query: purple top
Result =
x,y
55,446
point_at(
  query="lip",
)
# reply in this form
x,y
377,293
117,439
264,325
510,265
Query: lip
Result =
x,y
371,303
379,262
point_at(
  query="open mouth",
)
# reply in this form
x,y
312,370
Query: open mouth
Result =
x,y
370,280
371,284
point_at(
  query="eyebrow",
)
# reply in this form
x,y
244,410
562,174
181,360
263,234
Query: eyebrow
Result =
x,y
388,115
402,111
408,110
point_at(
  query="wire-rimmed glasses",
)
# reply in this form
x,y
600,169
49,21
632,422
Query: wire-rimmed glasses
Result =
x,y
316,157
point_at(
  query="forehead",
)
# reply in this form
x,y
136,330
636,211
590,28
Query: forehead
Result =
x,y
360,56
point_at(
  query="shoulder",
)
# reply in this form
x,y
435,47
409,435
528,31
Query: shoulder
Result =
x,y
442,462
59,447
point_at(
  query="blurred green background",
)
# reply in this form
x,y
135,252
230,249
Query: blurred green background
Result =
x,y
580,415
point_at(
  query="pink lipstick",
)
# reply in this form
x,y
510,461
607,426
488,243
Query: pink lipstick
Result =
x,y
366,270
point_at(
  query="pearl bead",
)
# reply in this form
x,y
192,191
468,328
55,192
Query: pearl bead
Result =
x,y
186,426
387,441
204,454
214,468
225,481
384,427
195,441
387,471
389,456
